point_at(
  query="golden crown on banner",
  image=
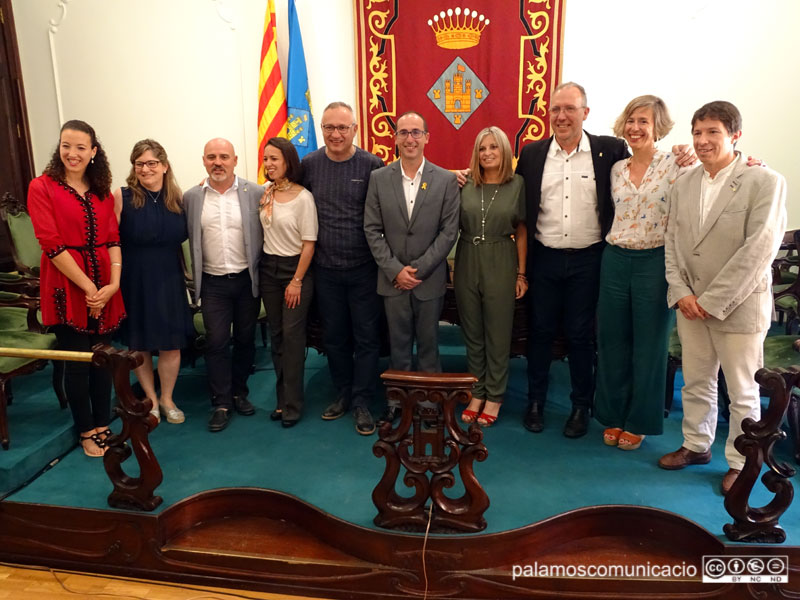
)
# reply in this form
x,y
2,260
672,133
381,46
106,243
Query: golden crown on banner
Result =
x,y
458,29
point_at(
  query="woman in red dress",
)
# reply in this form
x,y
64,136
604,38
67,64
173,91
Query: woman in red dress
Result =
x,y
73,216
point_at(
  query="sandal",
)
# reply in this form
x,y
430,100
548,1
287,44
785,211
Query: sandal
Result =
x,y
470,416
101,441
486,420
91,438
611,436
630,441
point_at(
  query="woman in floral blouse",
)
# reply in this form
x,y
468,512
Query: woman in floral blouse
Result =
x,y
633,320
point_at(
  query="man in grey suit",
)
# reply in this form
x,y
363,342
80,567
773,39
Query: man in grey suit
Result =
x,y
411,223
225,236
726,223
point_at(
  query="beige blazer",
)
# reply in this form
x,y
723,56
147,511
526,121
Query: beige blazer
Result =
x,y
726,262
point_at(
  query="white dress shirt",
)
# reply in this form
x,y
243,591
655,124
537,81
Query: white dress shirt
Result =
x,y
568,210
710,188
222,234
411,186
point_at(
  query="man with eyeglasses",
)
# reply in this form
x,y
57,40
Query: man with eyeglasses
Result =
x,y
411,222
225,236
569,208
345,274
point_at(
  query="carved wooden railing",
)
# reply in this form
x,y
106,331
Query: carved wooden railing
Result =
x,y
459,449
756,443
137,422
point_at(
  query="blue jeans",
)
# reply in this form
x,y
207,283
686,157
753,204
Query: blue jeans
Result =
x,y
350,308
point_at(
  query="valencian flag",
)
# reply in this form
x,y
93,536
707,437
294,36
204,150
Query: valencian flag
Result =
x,y
300,129
272,113
462,64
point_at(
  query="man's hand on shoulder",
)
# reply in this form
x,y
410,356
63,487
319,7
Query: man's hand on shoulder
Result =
x,y
406,279
461,176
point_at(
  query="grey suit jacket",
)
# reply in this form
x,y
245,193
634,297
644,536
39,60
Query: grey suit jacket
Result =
x,y
424,240
249,195
726,262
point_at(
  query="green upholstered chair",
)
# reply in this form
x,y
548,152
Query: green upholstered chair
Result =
x,y
26,252
20,328
785,282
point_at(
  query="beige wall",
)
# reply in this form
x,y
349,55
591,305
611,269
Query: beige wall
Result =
x,y
183,71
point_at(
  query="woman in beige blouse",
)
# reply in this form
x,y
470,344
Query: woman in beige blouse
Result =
x,y
633,320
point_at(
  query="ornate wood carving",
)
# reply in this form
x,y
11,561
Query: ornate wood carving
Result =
x,y
137,422
756,444
410,450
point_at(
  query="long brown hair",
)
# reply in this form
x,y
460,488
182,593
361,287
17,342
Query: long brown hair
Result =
x,y
172,193
98,173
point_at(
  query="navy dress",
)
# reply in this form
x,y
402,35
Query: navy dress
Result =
x,y
152,283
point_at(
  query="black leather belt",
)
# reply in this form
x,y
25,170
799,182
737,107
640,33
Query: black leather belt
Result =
x,y
226,275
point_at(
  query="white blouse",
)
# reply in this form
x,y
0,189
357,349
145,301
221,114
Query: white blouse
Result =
x,y
640,214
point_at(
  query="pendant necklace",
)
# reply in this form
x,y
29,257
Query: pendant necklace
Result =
x,y
154,197
484,213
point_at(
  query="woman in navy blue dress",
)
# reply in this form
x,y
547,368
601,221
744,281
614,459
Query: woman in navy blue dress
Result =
x,y
152,227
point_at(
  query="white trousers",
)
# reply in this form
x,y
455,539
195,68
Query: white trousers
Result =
x,y
704,350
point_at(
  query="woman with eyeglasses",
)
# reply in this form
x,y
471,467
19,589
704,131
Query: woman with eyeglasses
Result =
x,y
152,227
489,270
289,218
72,211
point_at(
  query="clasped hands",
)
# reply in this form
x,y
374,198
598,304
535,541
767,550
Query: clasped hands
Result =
x,y
406,279
97,299
691,309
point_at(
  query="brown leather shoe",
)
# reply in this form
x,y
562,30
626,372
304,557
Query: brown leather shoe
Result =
x,y
728,479
683,457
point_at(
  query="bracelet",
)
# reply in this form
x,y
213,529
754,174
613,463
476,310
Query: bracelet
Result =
x,y
522,276
296,281
113,264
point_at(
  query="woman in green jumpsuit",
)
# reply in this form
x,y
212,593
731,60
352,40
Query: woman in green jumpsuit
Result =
x,y
490,269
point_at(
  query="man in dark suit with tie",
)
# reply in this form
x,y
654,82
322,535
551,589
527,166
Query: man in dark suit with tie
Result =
x,y
569,208
411,222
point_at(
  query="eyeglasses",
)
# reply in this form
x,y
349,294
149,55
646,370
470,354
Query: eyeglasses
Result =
x,y
151,164
340,128
414,133
567,110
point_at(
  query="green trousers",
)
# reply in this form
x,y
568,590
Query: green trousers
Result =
x,y
485,284
633,326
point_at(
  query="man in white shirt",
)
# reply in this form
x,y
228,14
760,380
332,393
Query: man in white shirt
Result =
x,y
726,224
226,237
569,210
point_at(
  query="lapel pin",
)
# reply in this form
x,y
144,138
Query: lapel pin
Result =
x,y
424,185
601,154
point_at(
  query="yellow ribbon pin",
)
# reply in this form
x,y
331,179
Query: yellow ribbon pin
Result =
x,y
424,185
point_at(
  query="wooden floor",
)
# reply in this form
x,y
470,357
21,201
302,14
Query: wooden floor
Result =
x,y
22,583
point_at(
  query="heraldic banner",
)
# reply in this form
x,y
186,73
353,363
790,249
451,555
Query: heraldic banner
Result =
x,y
461,66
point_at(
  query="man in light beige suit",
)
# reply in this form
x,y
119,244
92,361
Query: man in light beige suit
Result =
x,y
726,222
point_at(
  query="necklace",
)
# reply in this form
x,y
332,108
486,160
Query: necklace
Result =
x,y
484,213
153,197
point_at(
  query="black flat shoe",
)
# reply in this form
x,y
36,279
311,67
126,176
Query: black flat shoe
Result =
x,y
219,419
335,410
389,415
289,423
243,406
534,418
578,423
364,423
275,415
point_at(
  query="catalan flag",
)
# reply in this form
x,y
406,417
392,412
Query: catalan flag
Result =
x,y
272,112
301,123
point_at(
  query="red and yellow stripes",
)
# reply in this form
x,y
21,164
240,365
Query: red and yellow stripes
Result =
x,y
272,110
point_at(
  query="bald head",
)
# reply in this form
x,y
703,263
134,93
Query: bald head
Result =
x,y
219,159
